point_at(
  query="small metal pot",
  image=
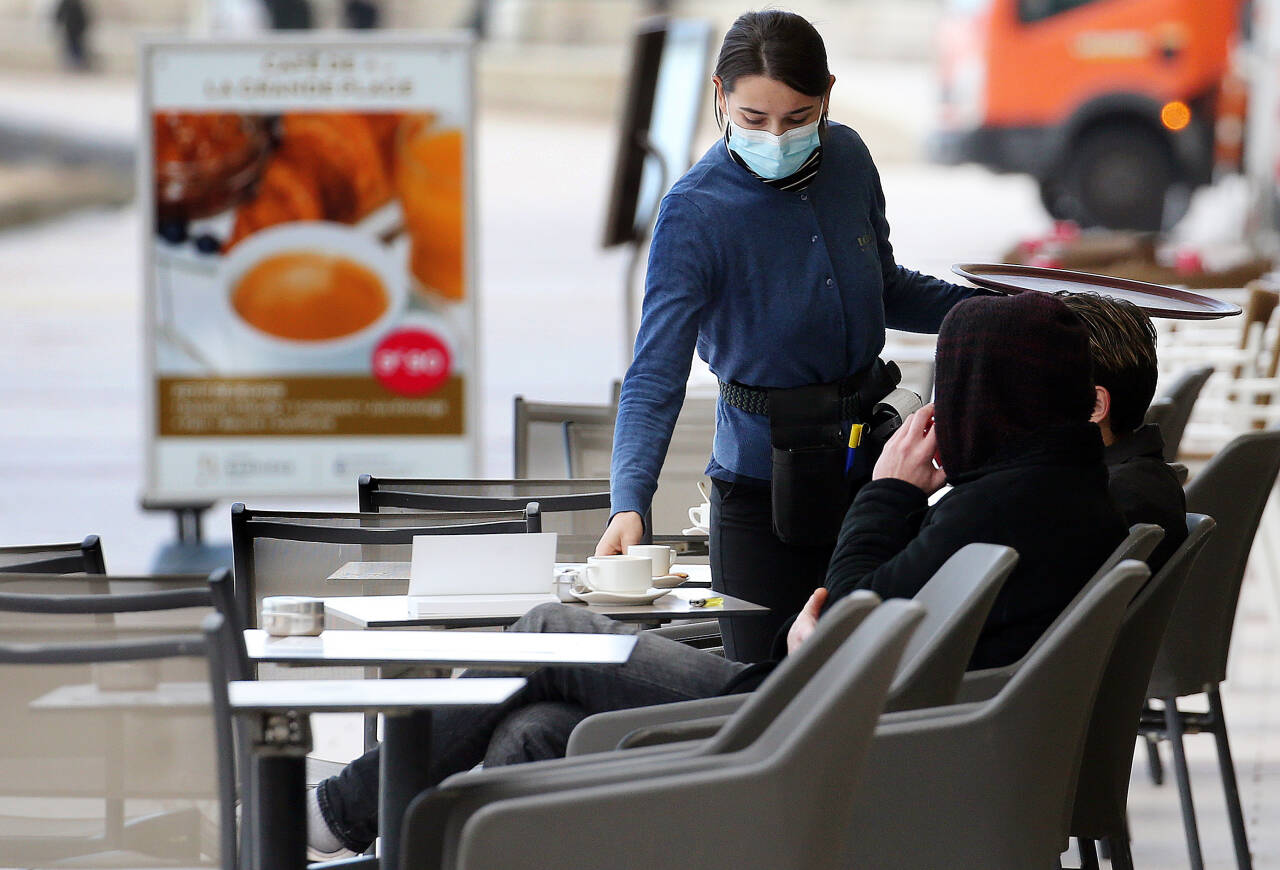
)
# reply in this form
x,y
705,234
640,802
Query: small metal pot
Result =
x,y
292,615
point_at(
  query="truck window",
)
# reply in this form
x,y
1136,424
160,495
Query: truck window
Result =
x,y
1038,10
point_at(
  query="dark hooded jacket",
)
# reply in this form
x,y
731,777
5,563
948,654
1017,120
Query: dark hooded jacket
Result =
x,y
1146,489
1015,391
1014,395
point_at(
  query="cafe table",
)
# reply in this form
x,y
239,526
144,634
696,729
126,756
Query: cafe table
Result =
x,y
407,728
365,572
393,611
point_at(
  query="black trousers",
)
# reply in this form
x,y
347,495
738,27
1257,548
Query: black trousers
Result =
x,y
748,561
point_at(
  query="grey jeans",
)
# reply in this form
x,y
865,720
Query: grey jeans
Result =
x,y
535,723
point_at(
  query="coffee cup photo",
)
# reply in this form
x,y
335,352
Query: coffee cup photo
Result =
x,y
307,290
663,557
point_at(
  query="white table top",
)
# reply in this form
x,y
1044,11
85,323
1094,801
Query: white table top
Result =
x,y
367,696
699,575
453,649
392,611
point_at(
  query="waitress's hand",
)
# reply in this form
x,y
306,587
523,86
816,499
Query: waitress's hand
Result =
x,y
626,528
910,453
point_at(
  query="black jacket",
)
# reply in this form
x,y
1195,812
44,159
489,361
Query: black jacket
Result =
x,y
1045,497
1146,489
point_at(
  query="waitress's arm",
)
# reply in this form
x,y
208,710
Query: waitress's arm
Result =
x,y
682,268
913,301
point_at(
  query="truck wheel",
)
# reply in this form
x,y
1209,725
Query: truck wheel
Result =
x,y
1054,199
1118,178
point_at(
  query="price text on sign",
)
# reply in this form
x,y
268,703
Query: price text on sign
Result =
x,y
412,362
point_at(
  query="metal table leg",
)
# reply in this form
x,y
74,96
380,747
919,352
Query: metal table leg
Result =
x,y
280,749
404,772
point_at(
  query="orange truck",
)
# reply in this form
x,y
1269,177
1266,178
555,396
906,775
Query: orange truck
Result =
x,y
1118,108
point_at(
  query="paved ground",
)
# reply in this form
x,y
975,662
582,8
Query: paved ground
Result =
x,y
71,373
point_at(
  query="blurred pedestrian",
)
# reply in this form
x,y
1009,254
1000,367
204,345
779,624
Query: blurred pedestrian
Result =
x,y
74,19
289,14
360,14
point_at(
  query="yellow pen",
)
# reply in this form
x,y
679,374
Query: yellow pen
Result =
x,y
855,441
707,602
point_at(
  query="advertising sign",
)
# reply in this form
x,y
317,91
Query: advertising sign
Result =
x,y
311,312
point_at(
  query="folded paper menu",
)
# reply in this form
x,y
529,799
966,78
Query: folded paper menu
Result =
x,y
472,575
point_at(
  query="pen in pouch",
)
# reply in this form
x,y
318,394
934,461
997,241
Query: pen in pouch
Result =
x,y
855,441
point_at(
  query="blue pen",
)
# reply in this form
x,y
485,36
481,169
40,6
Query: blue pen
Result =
x,y
855,441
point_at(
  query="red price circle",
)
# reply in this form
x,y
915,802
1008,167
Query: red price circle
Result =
x,y
412,362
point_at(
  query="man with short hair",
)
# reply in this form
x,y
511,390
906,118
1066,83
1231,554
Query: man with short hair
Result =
x,y
1122,343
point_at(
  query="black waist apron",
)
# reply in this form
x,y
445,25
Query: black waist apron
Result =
x,y
813,480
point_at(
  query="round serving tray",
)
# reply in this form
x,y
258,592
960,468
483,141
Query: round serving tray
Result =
x,y
1156,300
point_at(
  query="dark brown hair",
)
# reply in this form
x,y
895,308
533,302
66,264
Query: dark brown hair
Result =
x,y
778,45
1122,342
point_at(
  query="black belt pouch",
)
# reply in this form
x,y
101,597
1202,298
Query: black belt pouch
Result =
x,y
810,493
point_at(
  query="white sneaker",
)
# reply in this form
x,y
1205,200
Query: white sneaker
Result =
x,y
322,844
314,854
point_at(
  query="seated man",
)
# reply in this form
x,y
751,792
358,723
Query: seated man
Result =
x,y
1122,342
1012,431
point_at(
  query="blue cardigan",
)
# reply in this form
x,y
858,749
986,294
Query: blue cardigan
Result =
x,y
775,289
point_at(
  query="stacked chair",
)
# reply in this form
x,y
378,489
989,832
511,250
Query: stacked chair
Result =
x,y
292,552
82,558
1099,810
1233,488
90,776
1181,396
577,510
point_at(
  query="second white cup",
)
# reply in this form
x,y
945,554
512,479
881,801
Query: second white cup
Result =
x,y
663,557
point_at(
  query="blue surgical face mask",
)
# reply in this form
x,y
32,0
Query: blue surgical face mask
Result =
x,y
771,156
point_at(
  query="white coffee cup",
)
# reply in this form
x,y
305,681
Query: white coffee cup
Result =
x,y
625,574
700,515
663,557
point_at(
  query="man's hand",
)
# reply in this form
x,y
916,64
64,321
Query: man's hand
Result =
x,y
910,453
626,528
806,620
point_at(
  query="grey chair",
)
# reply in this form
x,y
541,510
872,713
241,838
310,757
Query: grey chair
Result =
x,y
989,784
576,510
956,601
777,802
293,552
1138,545
1183,393
1159,412
1233,488
1102,792
591,449
82,558
150,756
540,441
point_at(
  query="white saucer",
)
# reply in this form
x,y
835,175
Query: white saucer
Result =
x,y
598,597
669,581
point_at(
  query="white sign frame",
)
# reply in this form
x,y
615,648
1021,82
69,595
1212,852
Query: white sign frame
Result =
x,y
454,456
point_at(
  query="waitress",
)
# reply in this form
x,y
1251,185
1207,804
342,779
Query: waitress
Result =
x,y
771,256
